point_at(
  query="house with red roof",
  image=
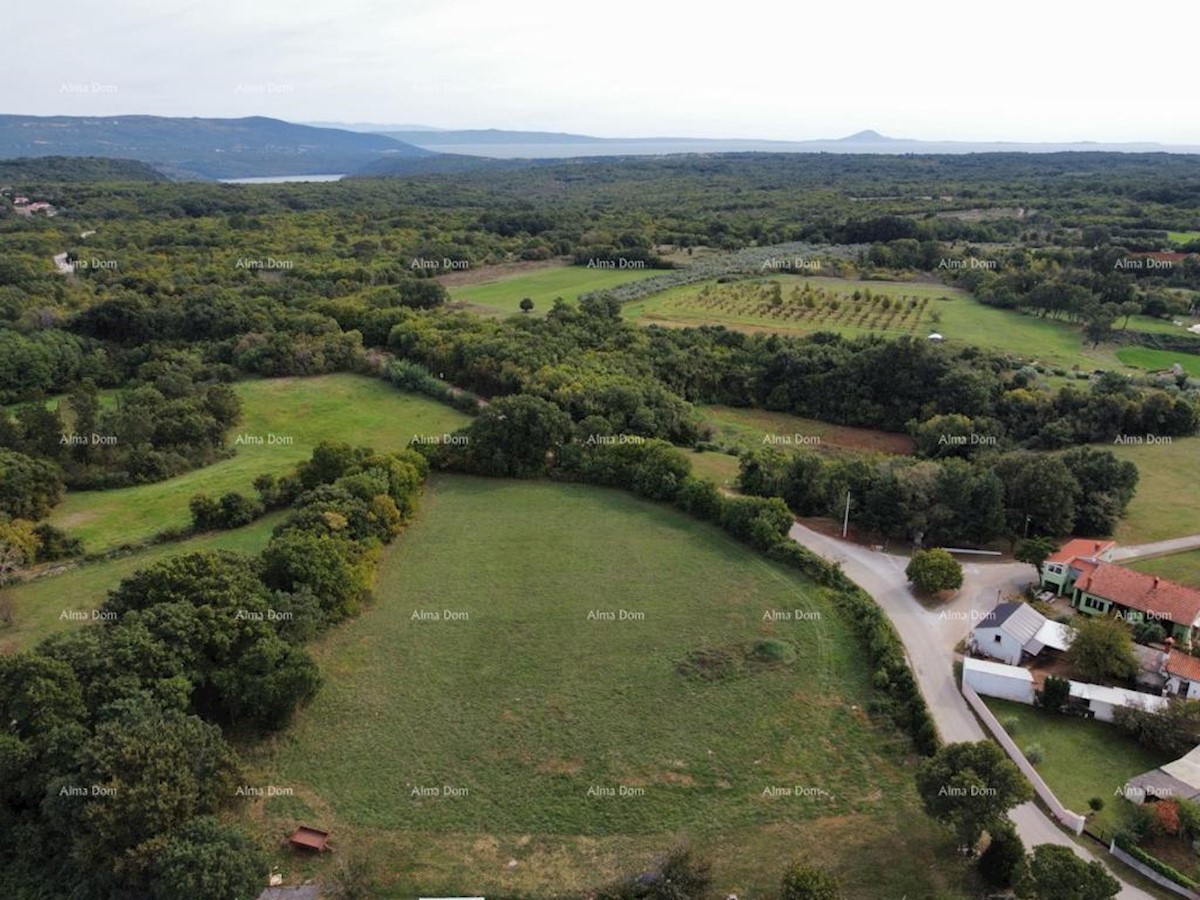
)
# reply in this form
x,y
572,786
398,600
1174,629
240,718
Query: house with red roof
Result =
x,y
1072,560
1183,675
1106,589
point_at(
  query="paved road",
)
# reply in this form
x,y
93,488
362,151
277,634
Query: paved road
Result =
x,y
1158,548
930,636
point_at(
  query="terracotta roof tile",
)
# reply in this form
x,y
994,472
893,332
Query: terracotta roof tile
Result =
x,y
1155,596
1081,548
1184,665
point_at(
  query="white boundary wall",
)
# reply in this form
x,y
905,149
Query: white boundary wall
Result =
x,y
1068,819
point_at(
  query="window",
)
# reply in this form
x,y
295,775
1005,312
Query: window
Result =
x,y
996,639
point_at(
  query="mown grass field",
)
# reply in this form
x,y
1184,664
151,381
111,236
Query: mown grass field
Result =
x,y
749,428
503,296
1165,503
1183,237
1181,567
527,705
1154,360
808,304
1082,758
342,407
39,604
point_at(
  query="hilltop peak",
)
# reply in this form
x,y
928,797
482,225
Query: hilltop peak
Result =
x,y
867,136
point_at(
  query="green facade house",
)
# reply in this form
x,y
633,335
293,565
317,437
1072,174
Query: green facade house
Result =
x,y
1106,589
1063,568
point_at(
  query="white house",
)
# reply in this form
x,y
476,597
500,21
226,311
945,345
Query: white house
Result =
x,y
1011,630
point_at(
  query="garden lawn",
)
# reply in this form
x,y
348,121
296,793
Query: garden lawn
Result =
x,y
1082,758
39,604
503,296
478,750
304,411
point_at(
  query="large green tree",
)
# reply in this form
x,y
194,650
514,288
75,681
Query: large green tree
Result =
x,y
1102,648
931,571
970,786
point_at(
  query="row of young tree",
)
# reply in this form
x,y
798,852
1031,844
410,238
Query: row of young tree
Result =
x,y
117,759
1084,490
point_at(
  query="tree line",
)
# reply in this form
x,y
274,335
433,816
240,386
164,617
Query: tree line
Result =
x,y
118,756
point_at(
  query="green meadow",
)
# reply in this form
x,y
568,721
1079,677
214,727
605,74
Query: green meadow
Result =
x,y
503,295
291,415
511,714
38,605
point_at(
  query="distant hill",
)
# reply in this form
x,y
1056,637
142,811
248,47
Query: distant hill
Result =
x,y
501,144
201,148
59,169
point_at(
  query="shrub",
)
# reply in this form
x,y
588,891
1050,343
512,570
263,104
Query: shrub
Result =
x,y
802,881
1096,804
1035,754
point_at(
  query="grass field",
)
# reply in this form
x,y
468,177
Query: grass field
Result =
x,y
350,408
747,428
1183,237
40,603
1083,758
808,304
721,468
1165,503
1154,360
1181,567
542,286
528,706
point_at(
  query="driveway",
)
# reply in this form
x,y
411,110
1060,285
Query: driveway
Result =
x,y
1158,548
930,635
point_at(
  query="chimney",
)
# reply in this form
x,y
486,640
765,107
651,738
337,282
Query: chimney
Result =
x,y
1156,581
1097,550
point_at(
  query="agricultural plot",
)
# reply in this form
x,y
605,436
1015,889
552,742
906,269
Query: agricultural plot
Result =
x,y
533,705
504,295
38,606
789,303
290,416
793,304
1158,360
749,428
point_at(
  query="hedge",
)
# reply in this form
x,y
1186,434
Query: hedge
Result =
x,y
1154,862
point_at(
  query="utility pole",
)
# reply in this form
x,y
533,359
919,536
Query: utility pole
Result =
x,y
1027,520
846,519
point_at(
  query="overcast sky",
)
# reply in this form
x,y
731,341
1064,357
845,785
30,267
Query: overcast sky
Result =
x,y
1043,70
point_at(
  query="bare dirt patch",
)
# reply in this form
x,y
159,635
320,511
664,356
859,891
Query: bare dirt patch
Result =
x,y
498,272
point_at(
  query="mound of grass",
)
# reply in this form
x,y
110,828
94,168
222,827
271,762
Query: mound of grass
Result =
x,y
493,706
298,412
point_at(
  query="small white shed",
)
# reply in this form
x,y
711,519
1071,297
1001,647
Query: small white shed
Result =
x,y
991,679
